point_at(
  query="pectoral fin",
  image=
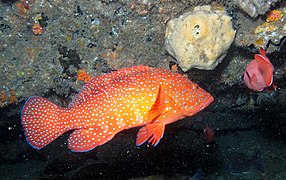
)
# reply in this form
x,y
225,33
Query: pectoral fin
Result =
x,y
155,130
158,107
152,132
141,136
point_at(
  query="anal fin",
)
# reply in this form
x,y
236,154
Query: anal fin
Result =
x,y
83,140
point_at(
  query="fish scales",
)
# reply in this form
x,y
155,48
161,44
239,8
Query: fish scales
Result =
x,y
127,98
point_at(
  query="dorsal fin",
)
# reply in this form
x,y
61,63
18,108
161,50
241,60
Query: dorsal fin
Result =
x,y
96,84
107,78
158,107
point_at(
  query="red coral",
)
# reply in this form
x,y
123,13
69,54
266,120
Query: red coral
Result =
x,y
274,15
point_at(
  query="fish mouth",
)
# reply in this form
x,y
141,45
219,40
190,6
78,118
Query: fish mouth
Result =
x,y
206,103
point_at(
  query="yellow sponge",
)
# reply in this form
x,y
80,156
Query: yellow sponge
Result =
x,y
199,39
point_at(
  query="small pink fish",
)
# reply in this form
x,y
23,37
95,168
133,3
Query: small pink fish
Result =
x,y
110,103
259,72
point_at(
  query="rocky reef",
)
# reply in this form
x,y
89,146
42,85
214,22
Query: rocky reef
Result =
x,y
52,48
268,31
255,7
106,36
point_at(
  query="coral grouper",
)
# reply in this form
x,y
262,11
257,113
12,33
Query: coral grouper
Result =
x,y
110,103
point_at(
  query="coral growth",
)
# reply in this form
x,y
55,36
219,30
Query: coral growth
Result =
x,y
274,15
199,39
82,75
174,68
7,96
39,21
23,6
273,29
37,29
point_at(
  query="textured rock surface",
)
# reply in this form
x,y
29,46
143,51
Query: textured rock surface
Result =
x,y
199,39
261,33
255,7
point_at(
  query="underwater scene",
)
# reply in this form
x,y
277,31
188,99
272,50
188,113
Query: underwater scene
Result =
x,y
143,89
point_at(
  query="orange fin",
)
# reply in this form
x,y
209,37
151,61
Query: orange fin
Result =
x,y
154,132
141,136
42,121
83,140
158,107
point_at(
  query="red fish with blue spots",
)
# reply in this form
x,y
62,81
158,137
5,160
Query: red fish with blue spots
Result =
x,y
127,98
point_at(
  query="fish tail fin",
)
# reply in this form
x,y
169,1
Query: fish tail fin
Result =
x,y
41,120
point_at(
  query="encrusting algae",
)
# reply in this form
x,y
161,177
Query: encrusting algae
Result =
x,y
7,96
23,6
274,15
82,75
272,29
37,29
265,27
